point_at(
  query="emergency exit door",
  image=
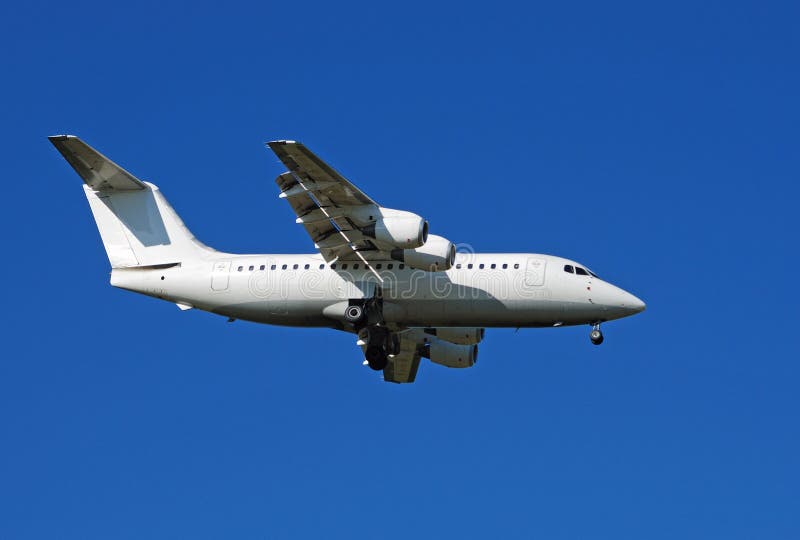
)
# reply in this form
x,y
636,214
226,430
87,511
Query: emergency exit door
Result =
x,y
220,275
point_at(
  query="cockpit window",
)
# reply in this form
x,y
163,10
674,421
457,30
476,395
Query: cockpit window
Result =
x,y
580,271
593,274
568,268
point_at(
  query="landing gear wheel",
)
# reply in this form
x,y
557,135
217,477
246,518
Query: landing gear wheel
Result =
x,y
596,335
354,314
376,358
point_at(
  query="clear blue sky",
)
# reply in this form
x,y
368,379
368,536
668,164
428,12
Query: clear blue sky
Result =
x,y
658,145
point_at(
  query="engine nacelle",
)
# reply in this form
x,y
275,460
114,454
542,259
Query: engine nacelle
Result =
x,y
397,228
462,336
437,255
452,355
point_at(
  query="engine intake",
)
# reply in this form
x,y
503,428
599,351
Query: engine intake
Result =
x,y
437,255
450,354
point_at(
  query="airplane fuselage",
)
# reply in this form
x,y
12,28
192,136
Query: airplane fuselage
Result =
x,y
485,290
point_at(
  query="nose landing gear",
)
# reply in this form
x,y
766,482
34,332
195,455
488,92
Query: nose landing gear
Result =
x,y
596,336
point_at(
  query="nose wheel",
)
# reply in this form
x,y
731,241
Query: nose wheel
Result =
x,y
596,336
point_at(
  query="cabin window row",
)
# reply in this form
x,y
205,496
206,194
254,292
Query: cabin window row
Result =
x,y
334,266
481,266
356,266
378,266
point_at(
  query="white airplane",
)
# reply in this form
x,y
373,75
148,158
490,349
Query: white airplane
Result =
x,y
405,293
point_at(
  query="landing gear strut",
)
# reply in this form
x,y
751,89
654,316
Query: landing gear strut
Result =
x,y
366,316
596,335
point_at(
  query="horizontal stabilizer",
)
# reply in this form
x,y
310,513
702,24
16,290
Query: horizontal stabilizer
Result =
x,y
99,172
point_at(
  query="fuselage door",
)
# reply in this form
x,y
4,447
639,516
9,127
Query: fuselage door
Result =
x,y
534,272
220,275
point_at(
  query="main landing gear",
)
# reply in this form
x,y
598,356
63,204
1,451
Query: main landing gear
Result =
x,y
380,345
596,335
377,358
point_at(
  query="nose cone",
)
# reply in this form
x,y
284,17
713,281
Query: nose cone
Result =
x,y
630,303
614,302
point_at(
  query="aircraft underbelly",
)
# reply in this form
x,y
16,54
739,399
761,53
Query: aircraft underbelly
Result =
x,y
485,312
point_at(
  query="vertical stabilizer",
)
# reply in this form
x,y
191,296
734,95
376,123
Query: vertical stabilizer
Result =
x,y
136,223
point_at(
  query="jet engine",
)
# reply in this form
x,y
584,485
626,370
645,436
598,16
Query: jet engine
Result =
x,y
437,255
397,228
462,336
450,354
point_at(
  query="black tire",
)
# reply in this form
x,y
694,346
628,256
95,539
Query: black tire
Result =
x,y
354,313
376,358
596,336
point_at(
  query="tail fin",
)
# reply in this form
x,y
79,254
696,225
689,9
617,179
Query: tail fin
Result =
x,y
136,223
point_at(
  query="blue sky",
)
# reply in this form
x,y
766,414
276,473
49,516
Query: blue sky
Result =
x,y
656,144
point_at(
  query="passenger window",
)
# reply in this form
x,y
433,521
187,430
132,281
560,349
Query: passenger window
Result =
x,y
294,267
469,266
378,266
493,266
516,266
390,266
240,268
322,267
306,267
344,266
251,268
272,267
262,267
568,268
283,267
505,265
333,266
481,266
401,266
355,266
458,266
580,271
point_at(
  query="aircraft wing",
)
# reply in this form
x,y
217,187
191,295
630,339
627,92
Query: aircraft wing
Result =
x,y
323,201
402,368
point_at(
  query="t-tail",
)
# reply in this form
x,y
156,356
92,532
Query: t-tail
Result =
x,y
138,227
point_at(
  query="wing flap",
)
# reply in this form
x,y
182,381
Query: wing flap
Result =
x,y
402,368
